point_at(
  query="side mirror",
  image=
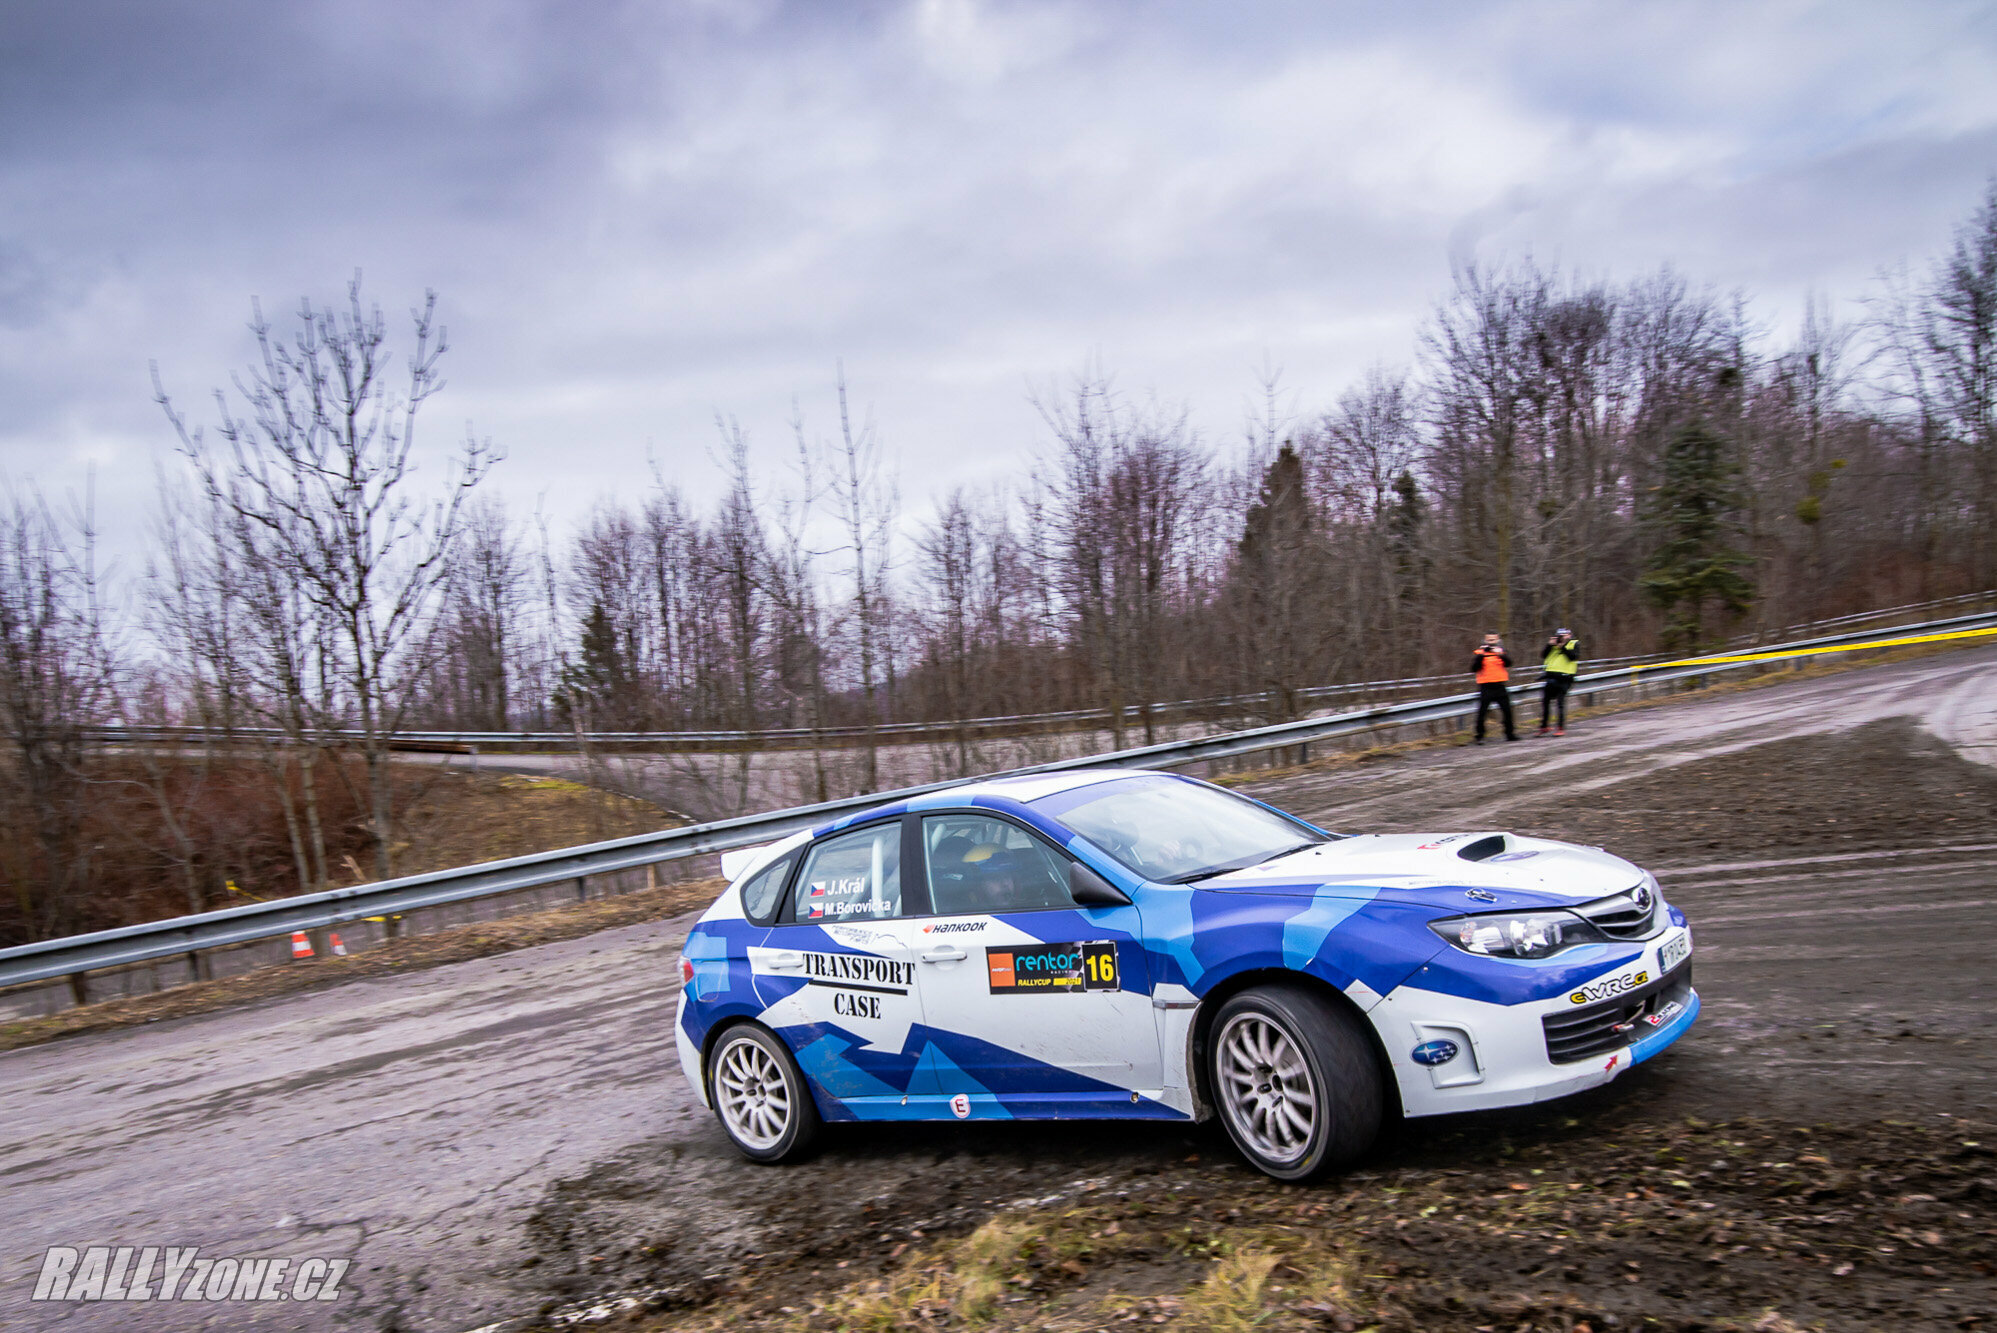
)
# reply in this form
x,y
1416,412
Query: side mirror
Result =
x,y
1089,889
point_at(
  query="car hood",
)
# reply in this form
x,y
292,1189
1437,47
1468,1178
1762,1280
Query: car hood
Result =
x,y
1437,870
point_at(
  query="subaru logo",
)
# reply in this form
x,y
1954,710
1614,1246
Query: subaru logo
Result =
x,y
1438,1052
1640,895
1480,895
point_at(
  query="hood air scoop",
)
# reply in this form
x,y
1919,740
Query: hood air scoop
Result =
x,y
1483,849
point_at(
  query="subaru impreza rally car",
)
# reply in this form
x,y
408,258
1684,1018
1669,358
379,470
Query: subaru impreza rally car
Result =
x,y
1144,945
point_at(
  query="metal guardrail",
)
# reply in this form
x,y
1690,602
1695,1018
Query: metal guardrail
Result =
x,y
254,921
899,732
884,732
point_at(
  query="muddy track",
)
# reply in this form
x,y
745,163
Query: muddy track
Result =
x,y
508,1135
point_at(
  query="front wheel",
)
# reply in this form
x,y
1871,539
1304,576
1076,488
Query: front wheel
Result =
x,y
1295,1081
759,1095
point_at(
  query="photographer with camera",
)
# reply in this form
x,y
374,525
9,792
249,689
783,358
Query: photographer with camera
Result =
x,y
1492,666
1561,657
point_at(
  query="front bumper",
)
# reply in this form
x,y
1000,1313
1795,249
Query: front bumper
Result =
x,y
1495,1055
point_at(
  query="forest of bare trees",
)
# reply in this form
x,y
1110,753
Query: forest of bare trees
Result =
x,y
1639,459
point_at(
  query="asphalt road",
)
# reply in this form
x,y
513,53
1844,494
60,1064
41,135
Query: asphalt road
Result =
x,y
471,1136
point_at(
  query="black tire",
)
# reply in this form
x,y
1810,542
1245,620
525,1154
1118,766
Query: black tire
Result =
x,y
759,1095
1317,1104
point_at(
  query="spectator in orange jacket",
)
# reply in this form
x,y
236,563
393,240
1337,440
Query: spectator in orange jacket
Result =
x,y
1493,668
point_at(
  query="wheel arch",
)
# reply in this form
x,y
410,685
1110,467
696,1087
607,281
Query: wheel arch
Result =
x,y
1199,1034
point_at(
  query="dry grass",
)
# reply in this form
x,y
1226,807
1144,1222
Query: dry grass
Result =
x,y
459,818
1232,1297
960,1284
1103,1266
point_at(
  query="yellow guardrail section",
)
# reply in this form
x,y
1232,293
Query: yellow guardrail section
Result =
x,y
1812,652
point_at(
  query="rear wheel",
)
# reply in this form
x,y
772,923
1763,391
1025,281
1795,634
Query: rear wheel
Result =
x,y
1295,1081
760,1096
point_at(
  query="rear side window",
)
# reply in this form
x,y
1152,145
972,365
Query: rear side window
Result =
x,y
761,893
853,877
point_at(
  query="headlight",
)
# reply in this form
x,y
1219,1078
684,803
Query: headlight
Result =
x,y
1517,934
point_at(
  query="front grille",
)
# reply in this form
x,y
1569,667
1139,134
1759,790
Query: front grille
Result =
x,y
1621,917
1573,1035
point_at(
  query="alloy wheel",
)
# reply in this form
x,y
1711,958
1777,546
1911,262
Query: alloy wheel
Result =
x,y
1266,1088
752,1094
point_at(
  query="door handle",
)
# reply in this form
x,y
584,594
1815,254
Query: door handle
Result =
x,y
944,953
786,960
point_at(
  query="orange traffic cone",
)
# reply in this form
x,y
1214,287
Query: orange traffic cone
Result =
x,y
339,949
300,946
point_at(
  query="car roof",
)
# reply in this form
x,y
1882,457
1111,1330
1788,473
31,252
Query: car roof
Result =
x,y
1022,789
1033,786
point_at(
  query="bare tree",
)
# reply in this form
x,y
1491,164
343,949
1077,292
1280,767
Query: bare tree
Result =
x,y
191,609
1156,479
1940,340
737,560
791,583
1089,426
868,501
947,550
319,471
1360,463
486,607
1479,347
609,685
53,683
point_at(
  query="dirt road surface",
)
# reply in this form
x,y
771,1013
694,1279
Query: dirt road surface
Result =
x,y
497,1137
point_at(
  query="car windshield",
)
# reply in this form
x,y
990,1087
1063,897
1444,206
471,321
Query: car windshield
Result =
x,y
1168,829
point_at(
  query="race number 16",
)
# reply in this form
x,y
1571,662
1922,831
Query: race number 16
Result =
x,y
1099,967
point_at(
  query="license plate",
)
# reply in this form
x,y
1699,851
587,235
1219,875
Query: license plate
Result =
x,y
1674,952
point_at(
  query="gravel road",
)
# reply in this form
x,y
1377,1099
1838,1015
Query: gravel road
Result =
x,y
490,1136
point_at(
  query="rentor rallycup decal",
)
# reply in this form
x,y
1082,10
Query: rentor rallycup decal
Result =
x,y
1042,968
1612,986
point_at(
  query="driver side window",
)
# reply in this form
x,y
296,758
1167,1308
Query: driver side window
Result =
x,y
977,864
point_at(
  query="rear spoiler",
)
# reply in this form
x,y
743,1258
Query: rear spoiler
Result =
x,y
735,862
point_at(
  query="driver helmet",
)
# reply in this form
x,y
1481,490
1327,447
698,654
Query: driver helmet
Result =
x,y
996,866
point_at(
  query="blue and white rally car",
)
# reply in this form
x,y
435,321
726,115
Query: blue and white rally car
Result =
x,y
1143,945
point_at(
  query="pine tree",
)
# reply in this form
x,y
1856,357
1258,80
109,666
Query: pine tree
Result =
x,y
593,684
1694,565
1405,516
1276,562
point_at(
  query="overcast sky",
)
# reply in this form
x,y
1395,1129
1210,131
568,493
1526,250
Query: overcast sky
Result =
x,y
639,215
